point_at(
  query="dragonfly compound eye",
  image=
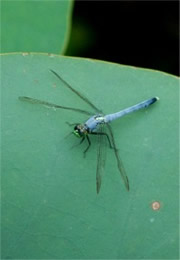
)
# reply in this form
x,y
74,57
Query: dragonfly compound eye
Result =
x,y
77,131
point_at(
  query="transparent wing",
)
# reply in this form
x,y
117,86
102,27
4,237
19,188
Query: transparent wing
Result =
x,y
101,158
37,101
77,92
119,162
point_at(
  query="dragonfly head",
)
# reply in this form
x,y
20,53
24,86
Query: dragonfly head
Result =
x,y
80,131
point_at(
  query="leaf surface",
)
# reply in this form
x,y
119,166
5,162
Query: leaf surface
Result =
x,y
50,207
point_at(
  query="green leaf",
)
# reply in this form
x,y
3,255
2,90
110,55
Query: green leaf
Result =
x,y
50,208
35,26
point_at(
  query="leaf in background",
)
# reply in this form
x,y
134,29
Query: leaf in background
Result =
x,y
50,208
35,26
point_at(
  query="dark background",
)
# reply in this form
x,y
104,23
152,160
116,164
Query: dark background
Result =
x,y
139,33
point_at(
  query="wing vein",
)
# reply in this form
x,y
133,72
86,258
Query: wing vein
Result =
x,y
37,101
100,159
77,92
119,162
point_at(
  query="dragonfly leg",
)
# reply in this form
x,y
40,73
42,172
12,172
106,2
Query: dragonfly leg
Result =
x,y
89,144
101,133
68,135
83,138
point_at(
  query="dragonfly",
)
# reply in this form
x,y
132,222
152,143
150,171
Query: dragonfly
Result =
x,y
95,126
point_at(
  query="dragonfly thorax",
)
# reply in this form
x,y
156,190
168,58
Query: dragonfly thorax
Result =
x,y
93,122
